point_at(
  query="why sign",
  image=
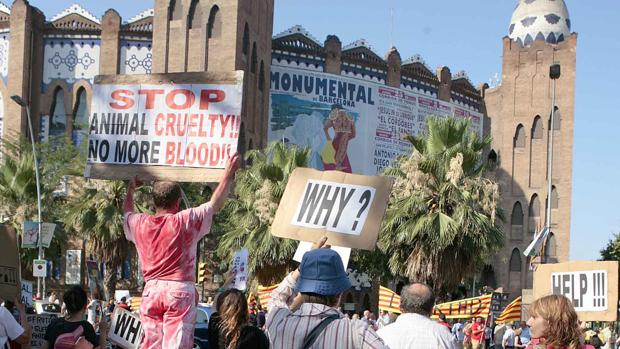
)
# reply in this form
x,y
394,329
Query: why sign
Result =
x,y
125,329
587,290
337,207
347,208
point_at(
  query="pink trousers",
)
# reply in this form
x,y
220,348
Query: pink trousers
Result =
x,y
168,314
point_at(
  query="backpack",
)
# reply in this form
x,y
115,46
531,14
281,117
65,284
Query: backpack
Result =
x,y
68,340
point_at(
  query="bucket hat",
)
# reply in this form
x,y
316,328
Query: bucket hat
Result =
x,y
321,272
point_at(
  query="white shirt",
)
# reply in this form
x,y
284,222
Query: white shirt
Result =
x,y
416,331
9,328
509,337
457,331
92,312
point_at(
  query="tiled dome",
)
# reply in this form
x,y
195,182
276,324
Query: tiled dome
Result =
x,y
545,20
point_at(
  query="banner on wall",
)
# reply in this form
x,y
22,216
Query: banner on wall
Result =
x,y
74,263
191,121
351,125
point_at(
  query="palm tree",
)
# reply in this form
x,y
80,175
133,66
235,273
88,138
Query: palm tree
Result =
x,y
246,219
96,213
443,219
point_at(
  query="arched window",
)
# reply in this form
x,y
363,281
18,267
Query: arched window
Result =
x,y
517,214
557,119
58,115
261,77
537,131
534,210
554,197
254,59
551,246
519,140
80,117
246,40
366,303
492,156
195,15
214,26
515,260
175,10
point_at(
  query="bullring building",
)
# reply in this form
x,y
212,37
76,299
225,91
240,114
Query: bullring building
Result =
x,y
302,90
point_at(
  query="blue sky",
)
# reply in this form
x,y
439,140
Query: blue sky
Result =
x,y
466,35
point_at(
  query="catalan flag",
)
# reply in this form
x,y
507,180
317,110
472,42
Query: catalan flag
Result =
x,y
389,300
134,303
264,295
511,313
465,308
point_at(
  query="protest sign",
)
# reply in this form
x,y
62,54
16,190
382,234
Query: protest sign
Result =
x,y
180,126
118,294
125,329
305,246
74,263
347,208
30,234
26,295
240,268
464,308
39,323
47,233
94,281
9,263
592,287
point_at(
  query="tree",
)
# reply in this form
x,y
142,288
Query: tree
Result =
x,y
443,219
611,252
18,190
247,217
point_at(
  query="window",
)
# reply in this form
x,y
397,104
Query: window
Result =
x,y
195,15
534,210
515,261
58,115
80,117
554,197
537,131
492,156
246,40
557,120
261,77
550,246
214,26
519,140
517,214
254,59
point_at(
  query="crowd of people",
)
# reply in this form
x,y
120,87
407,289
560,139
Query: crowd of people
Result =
x,y
304,311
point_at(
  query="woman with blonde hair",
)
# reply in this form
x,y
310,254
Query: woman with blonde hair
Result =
x,y
229,328
554,324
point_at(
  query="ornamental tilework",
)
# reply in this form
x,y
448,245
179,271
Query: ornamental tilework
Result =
x,y
136,57
70,59
4,56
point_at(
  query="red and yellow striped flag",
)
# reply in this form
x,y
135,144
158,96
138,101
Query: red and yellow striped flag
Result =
x,y
134,303
389,300
464,308
264,294
511,313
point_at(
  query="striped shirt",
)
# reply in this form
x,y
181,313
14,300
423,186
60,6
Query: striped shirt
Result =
x,y
287,329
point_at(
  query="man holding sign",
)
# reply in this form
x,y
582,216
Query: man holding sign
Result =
x,y
166,244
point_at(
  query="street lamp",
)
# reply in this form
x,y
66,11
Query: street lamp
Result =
x,y
554,74
17,99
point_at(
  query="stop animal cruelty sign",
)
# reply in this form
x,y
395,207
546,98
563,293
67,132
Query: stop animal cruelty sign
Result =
x,y
172,124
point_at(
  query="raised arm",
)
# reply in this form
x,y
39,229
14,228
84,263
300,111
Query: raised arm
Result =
x,y
131,187
221,192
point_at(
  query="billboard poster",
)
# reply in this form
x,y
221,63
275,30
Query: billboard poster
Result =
x,y
351,125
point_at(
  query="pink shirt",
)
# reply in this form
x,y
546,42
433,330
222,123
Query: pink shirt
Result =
x,y
167,244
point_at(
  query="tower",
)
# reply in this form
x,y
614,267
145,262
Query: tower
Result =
x,y
519,113
224,35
